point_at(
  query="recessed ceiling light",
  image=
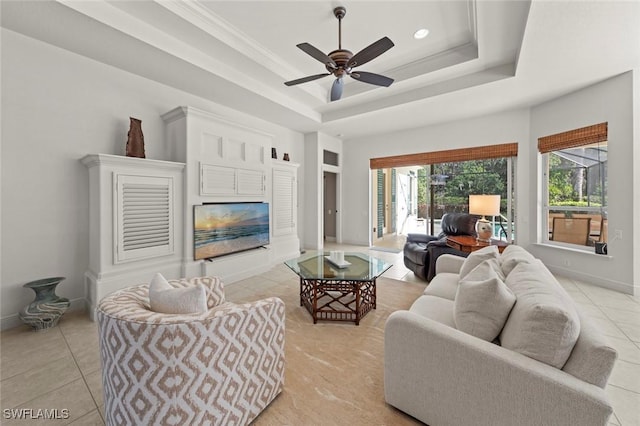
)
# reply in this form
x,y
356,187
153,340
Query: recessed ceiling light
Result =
x,y
421,33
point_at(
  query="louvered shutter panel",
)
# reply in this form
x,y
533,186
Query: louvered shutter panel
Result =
x,y
284,208
144,217
216,180
250,182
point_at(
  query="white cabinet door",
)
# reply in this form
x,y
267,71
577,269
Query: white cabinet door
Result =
x,y
250,182
143,214
285,190
219,180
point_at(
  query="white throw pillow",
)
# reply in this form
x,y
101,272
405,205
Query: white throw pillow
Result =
x,y
166,299
476,258
482,302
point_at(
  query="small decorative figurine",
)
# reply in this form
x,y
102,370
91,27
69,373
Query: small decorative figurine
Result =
x,y
286,157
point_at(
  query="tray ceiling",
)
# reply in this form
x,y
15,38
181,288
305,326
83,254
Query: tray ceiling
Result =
x,y
479,57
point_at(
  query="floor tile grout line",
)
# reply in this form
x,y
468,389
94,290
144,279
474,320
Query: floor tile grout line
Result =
x,y
39,365
615,323
45,393
624,389
82,375
633,298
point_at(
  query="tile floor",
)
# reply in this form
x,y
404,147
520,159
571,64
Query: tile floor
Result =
x,y
60,368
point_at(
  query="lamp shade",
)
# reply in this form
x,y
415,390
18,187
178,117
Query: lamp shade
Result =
x,y
484,205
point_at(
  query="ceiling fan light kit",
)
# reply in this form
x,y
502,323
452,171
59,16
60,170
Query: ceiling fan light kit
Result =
x,y
341,62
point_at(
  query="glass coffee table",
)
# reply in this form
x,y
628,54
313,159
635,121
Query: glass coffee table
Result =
x,y
337,293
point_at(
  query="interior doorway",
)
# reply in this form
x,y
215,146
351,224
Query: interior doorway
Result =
x,y
388,211
330,225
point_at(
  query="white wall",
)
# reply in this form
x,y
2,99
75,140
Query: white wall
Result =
x,y
57,107
610,101
488,130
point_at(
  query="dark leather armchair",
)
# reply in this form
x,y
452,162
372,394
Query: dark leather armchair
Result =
x,y
421,250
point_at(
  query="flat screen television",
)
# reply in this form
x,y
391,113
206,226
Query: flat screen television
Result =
x,y
224,228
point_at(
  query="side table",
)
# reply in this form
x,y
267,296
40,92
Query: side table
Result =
x,y
468,244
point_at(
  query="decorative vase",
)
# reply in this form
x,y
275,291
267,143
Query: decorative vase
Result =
x,y
274,154
47,308
286,157
135,140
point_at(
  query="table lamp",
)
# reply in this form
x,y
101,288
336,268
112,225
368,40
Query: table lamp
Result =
x,y
484,205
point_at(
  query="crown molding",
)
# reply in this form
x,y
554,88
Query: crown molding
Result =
x,y
185,111
93,160
106,14
223,30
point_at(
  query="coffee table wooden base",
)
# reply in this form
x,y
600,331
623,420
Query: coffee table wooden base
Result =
x,y
337,300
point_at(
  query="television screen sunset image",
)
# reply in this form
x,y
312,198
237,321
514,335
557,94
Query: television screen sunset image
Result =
x,y
221,229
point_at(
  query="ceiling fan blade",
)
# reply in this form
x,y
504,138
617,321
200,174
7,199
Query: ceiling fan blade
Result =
x,y
371,78
371,52
316,53
336,89
305,79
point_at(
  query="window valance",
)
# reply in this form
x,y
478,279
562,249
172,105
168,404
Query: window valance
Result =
x,y
573,138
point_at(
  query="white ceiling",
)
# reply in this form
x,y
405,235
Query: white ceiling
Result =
x,y
480,56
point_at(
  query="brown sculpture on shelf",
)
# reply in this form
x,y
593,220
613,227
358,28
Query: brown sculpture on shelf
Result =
x,y
135,141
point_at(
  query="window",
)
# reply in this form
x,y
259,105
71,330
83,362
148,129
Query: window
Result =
x,y
575,186
433,183
446,187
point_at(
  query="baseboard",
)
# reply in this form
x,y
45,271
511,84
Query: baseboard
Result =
x,y
591,279
13,321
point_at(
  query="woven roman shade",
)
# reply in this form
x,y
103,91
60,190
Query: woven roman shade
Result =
x,y
447,156
573,138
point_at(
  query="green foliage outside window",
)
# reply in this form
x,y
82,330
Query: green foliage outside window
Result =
x,y
574,185
462,178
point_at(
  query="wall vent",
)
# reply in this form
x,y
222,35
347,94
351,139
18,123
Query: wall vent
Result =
x,y
144,217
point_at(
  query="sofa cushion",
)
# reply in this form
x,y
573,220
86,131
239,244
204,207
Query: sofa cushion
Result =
x,y
434,308
476,258
543,323
593,357
165,298
511,256
445,284
482,303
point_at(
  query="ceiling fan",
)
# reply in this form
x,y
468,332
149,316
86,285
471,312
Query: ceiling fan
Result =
x,y
342,61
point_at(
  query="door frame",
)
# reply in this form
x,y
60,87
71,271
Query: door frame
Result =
x,y
338,217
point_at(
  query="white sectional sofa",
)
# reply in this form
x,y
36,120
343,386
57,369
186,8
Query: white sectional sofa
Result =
x,y
496,340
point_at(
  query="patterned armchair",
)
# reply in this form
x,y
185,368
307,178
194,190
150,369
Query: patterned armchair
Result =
x,y
221,367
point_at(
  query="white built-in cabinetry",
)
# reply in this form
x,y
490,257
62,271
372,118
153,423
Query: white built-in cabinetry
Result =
x,y
141,210
135,222
229,162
